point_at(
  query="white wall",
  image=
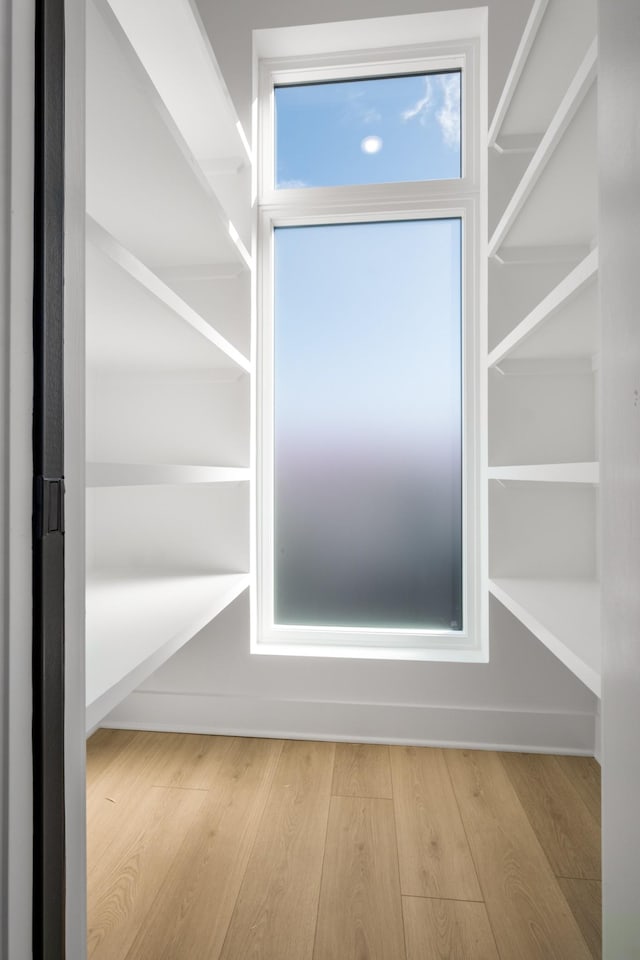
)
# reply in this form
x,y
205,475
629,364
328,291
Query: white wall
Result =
x,y
230,24
16,274
522,698
619,157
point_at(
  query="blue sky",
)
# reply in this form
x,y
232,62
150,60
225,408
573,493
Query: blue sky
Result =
x,y
368,131
367,331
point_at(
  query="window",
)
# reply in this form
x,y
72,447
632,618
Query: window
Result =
x,y
370,392
374,130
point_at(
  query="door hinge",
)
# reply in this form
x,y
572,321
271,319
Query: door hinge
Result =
x,y
49,506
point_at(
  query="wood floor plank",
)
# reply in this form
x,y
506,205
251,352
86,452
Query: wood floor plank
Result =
x,y
567,832
149,759
124,881
110,772
529,915
360,911
435,859
115,788
447,930
191,913
362,770
276,909
188,760
159,759
584,774
103,748
585,899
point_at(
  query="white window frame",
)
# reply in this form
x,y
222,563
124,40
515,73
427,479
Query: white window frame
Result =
x,y
463,198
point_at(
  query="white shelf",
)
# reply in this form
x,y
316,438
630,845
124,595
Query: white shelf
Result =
x,y
562,325
175,51
152,474
564,615
144,184
548,473
553,44
543,210
135,622
136,321
222,299
168,194
544,337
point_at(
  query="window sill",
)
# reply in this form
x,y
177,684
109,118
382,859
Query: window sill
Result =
x,y
342,651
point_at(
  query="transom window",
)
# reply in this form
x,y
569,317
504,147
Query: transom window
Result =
x,y
376,130
369,387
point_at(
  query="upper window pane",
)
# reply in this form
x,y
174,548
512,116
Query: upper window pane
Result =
x,y
379,130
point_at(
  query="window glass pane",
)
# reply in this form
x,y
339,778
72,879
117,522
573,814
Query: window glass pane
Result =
x,y
379,130
367,425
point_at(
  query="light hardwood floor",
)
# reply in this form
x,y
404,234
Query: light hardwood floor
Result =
x,y
226,848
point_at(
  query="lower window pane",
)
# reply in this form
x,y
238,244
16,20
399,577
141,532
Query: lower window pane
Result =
x,y
368,425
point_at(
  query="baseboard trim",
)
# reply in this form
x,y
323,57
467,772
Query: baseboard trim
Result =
x,y
415,724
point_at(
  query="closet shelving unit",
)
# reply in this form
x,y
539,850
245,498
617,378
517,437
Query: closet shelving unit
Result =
x,y
168,340
543,337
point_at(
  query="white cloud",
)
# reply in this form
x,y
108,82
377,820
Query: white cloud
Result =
x,y
357,111
422,107
370,116
449,114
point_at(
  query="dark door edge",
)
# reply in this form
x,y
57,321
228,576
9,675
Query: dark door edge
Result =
x,y
49,873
